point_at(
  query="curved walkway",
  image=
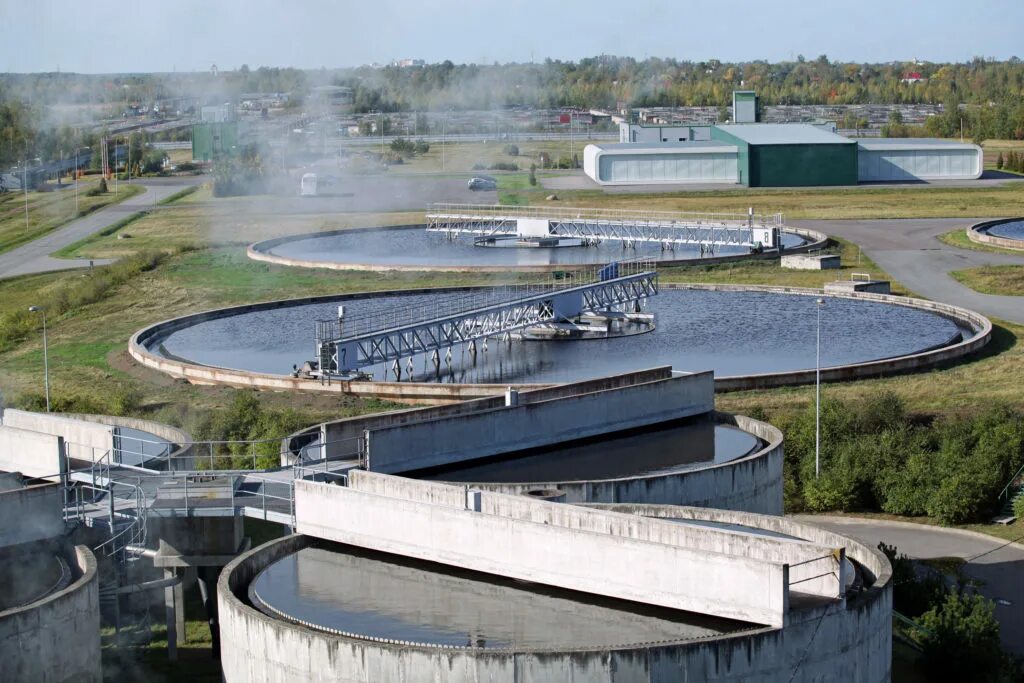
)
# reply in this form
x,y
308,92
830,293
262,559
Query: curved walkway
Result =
x,y
34,257
908,249
998,565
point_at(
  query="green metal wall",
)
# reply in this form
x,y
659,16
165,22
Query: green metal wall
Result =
x,y
802,165
742,157
211,140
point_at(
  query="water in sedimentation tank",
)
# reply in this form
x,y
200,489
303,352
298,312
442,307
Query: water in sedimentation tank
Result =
x,y
364,594
307,186
1011,230
733,333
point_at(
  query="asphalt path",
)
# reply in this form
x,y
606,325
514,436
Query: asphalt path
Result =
x,y
998,566
909,251
34,257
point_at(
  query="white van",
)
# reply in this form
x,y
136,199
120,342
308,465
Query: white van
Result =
x,y
308,185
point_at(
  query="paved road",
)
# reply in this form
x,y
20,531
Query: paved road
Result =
x,y
1000,567
34,257
909,251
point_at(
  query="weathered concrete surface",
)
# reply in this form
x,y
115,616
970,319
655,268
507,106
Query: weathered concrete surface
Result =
x,y
438,393
34,454
672,576
446,440
31,514
851,643
845,286
979,233
56,639
811,261
88,441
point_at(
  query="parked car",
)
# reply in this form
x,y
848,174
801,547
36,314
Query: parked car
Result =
x,y
483,184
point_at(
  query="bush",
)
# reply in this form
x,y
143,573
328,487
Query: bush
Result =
x,y
874,456
962,641
999,161
422,146
533,174
511,150
504,166
1018,507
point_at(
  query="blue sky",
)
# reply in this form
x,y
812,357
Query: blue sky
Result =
x,y
99,36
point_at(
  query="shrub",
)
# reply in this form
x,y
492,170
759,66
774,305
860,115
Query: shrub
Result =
x,y
999,160
533,174
962,640
504,166
511,150
422,146
1018,507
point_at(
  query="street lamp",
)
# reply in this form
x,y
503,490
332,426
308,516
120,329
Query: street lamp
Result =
x,y
77,150
817,397
46,360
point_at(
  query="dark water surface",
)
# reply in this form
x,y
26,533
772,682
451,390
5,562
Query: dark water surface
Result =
x,y
663,451
1014,230
383,596
732,333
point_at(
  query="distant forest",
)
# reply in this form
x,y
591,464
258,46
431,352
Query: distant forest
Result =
x,y
34,106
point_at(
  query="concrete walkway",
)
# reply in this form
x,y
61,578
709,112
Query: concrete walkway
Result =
x,y
908,249
34,257
999,566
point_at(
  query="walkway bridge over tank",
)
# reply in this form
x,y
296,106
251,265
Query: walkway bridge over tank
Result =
x,y
349,344
547,226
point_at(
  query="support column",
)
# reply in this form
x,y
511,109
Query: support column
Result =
x,y
207,579
172,601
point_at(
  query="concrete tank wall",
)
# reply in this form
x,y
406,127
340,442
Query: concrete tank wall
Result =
x,y
850,644
84,440
752,483
56,639
32,513
673,576
32,453
513,428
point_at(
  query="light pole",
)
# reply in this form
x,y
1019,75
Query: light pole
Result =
x,y
46,360
382,132
817,397
444,124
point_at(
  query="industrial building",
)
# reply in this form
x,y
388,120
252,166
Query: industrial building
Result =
x,y
747,152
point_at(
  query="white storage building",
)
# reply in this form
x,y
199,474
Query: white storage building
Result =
x,y
895,159
661,163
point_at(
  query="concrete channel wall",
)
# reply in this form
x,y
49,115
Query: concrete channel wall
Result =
x,y
30,514
810,560
752,483
34,454
177,437
447,440
438,393
337,436
260,251
979,233
57,638
851,643
673,576
88,441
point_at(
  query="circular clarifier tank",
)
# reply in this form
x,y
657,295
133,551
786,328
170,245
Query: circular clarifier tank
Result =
x,y
731,332
676,448
1011,230
373,596
413,247
30,576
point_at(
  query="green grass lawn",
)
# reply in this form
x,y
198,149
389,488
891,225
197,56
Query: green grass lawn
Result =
x,y
48,211
958,238
850,203
1002,280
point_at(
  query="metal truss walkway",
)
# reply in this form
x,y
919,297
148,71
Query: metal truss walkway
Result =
x,y
346,345
592,226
